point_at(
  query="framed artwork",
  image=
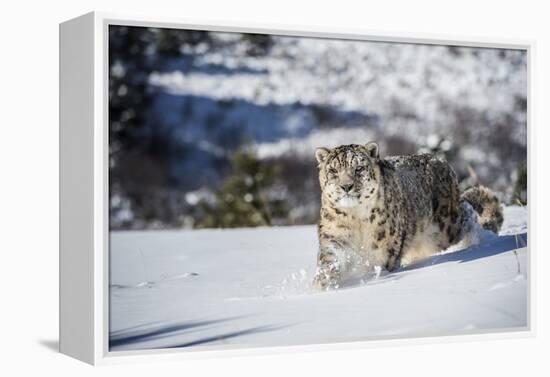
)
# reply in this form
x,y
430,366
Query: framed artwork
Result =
x,y
227,188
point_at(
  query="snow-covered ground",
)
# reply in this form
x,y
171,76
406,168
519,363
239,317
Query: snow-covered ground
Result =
x,y
251,287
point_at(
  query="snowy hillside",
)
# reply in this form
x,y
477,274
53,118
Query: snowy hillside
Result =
x,y
406,89
251,287
377,78
184,104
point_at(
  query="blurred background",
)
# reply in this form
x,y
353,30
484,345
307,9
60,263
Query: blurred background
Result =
x,y
213,129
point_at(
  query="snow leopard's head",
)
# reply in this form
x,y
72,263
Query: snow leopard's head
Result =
x,y
349,174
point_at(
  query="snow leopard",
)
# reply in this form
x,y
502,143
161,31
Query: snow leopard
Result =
x,y
389,212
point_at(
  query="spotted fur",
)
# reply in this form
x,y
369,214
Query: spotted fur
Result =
x,y
389,212
487,206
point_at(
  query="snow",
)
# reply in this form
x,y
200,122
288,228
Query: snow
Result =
x,y
305,147
251,287
389,79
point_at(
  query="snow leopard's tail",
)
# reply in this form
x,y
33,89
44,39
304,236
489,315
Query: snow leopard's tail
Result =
x,y
486,204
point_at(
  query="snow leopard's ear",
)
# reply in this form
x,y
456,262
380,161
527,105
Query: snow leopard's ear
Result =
x,y
321,154
372,149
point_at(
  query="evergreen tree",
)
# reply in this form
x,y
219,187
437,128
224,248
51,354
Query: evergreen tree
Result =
x,y
245,197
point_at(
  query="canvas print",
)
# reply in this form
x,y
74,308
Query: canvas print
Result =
x,y
271,190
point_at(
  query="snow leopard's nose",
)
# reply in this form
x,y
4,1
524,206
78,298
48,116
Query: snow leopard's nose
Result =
x,y
347,187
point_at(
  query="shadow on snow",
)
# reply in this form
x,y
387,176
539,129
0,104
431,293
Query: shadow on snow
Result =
x,y
227,335
146,333
486,248
495,246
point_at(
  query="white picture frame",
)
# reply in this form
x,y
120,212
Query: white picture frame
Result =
x,y
84,301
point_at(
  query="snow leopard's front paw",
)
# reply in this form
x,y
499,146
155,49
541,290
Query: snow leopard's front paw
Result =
x,y
326,278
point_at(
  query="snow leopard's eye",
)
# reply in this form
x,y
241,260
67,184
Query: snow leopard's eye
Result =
x,y
359,170
332,171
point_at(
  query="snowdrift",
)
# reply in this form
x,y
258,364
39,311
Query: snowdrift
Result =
x,y
251,287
